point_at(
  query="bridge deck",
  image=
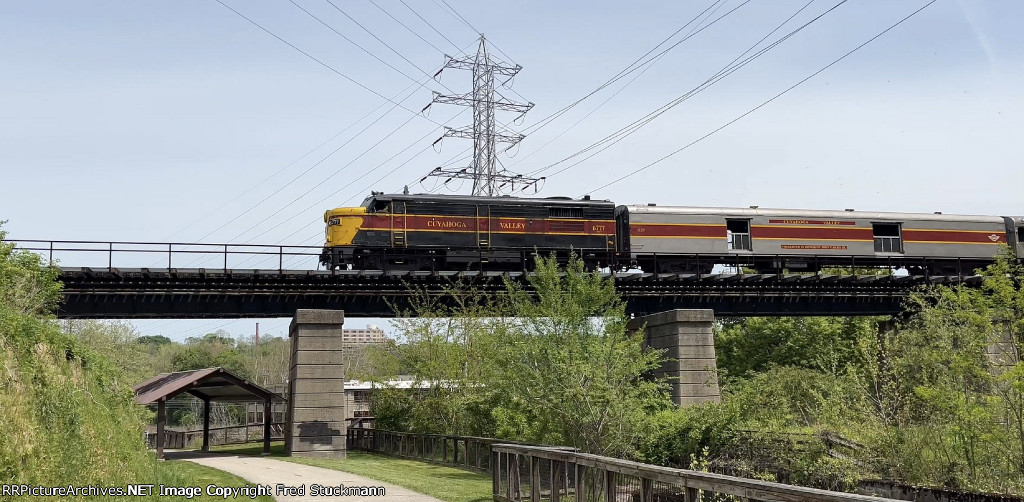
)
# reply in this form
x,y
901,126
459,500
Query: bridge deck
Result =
x,y
235,293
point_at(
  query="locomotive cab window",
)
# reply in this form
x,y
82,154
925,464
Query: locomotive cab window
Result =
x,y
738,235
1020,235
888,238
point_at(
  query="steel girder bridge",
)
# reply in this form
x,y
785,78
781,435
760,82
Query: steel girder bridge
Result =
x,y
253,281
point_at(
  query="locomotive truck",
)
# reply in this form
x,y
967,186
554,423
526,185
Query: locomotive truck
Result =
x,y
451,232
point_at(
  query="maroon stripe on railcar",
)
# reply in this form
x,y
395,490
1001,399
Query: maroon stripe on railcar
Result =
x,y
676,230
953,236
806,233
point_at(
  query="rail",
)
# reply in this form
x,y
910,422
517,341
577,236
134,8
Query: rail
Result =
x,y
226,256
167,253
467,452
232,434
538,474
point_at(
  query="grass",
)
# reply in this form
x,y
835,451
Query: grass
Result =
x,y
185,473
445,483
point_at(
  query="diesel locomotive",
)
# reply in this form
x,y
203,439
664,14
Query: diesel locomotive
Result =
x,y
441,232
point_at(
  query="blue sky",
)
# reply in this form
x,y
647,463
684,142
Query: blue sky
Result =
x,y
138,121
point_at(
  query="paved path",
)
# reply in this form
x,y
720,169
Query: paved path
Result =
x,y
267,471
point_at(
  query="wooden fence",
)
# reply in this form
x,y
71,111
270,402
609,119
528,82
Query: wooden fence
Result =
x,y
536,474
234,434
467,452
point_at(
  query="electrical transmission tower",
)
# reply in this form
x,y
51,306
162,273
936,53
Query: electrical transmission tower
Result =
x,y
488,177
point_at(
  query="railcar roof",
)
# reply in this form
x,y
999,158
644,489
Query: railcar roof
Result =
x,y
550,201
811,213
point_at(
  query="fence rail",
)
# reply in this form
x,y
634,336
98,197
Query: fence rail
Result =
x,y
467,452
232,434
538,474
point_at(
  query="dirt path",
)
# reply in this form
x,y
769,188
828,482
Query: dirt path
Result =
x,y
267,471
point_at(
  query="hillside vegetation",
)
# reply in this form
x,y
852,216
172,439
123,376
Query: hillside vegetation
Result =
x,y
67,415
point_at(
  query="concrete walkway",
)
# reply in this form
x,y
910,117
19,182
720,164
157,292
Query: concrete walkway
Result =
x,y
267,471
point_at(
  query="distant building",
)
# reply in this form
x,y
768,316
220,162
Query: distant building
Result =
x,y
358,398
371,335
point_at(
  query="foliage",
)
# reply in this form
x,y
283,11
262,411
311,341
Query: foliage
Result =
x,y
68,413
755,344
553,366
935,399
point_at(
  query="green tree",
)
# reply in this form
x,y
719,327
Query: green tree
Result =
x,y
555,365
756,344
154,340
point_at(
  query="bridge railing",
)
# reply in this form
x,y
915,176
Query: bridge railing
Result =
x,y
125,254
541,474
168,255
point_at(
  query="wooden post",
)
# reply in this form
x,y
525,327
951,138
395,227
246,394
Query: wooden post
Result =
x,y
554,480
646,490
534,479
161,419
609,485
266,426
206,425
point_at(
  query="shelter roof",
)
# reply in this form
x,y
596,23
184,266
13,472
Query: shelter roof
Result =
x,y
215,384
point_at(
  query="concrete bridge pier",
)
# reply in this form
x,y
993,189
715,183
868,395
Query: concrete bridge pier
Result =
x,y
316,424
688,340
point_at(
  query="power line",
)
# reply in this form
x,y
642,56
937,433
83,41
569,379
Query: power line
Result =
x,y
410,30
342,35
773,98
639,62
428,23
303,211
458,16
396,104
320,62
730,68
646,66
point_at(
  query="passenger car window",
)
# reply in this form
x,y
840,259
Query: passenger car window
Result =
x,y
887,238
738,234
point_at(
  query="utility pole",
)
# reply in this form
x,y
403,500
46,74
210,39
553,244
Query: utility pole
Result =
x,y
489,179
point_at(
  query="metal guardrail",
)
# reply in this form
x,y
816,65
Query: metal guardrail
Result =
x,y
170,254
173,254
538,474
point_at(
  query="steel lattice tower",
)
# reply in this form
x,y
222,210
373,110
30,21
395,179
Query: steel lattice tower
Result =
x,y
488,178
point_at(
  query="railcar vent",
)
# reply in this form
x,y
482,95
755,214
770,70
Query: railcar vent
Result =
x,y
566,212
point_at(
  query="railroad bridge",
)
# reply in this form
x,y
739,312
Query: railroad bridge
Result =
x,y
139,280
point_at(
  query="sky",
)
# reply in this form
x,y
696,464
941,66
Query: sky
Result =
x,y
186,122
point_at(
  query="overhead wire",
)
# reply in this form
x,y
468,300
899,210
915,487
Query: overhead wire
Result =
x,y
353,42
395,103
392,49
766,102
417,83
646,66
320,62
730,68
410,30
639,62
321,201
